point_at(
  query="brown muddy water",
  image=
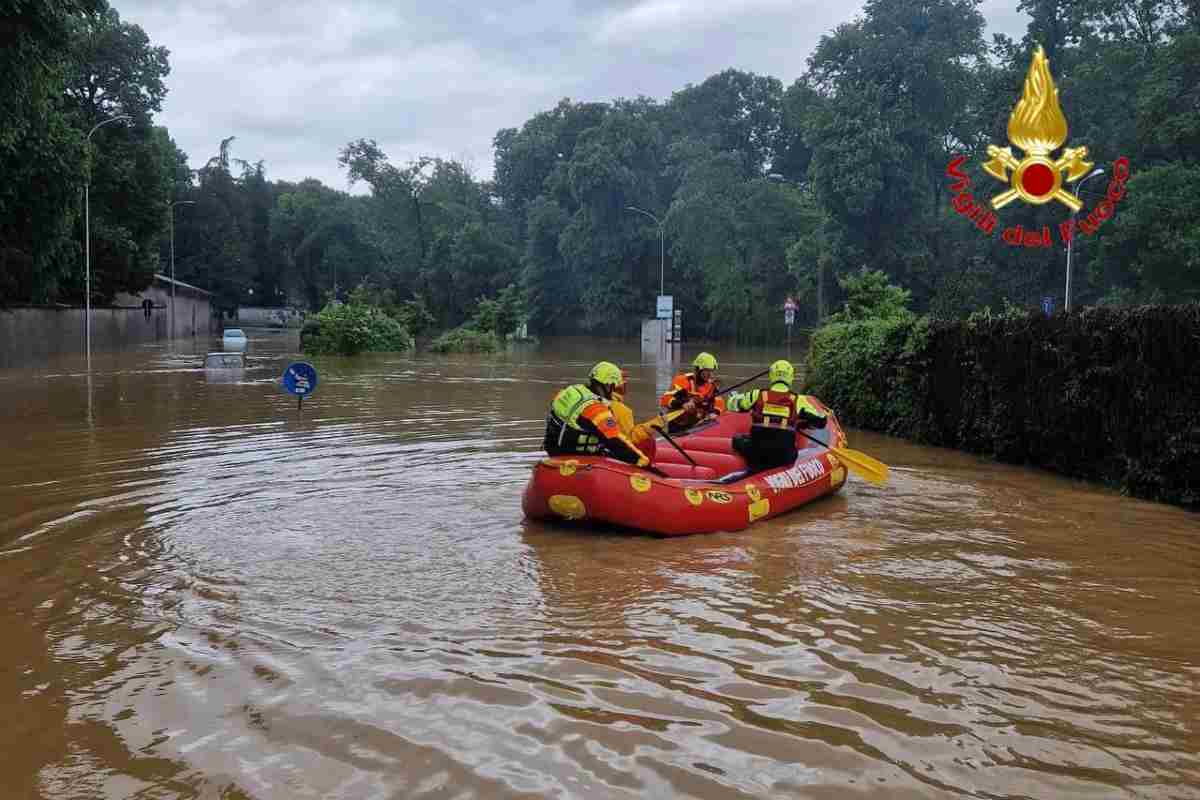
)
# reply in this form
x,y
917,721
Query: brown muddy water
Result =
x,y
207,594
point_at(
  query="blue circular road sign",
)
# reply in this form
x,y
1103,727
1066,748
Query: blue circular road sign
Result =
x,y
300,378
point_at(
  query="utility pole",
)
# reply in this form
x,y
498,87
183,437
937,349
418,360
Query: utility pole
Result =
x,y
87,236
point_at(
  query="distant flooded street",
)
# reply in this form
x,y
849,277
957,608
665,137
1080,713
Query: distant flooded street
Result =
x,y
210,594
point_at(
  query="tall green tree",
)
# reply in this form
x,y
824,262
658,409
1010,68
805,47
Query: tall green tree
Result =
x,y
892,98
41,154
112,70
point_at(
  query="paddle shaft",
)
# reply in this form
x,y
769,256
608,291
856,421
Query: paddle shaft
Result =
x,y
677,412
675,444
860,463
743,383
812,438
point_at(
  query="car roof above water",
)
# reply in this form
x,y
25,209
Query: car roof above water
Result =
x,y
224,360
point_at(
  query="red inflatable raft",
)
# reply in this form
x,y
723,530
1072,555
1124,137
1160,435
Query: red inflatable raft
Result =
x,y
716,495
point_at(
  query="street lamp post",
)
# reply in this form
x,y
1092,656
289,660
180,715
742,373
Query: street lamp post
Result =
x,y
661,246
1071,241
87,236
172,215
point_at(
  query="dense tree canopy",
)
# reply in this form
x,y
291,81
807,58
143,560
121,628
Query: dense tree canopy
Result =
x,y
762,188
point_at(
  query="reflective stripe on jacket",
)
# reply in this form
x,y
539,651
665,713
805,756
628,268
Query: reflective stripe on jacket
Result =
x,y
580,421
782,400
563,431
704,394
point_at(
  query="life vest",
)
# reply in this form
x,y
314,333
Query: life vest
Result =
x,y
704,394
563,431
774,410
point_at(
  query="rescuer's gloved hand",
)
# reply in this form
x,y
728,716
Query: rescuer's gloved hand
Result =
x,y
679,399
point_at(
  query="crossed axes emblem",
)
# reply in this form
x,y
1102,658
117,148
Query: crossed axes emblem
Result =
x,y
1037,179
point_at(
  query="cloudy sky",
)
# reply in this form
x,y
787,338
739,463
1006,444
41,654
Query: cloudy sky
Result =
x,y
294,81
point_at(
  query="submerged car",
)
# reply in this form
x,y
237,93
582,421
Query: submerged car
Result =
x,y
224,361
234,339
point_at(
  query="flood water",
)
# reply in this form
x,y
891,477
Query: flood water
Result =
x,y
209,594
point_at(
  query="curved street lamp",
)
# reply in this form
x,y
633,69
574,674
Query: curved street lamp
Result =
x,y
661,247
1071,241
87,235
172,214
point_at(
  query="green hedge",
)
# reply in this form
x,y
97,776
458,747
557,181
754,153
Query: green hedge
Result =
x,y
349,328
1108,394
464,339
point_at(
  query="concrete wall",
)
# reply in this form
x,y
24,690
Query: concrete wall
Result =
x,y
30,335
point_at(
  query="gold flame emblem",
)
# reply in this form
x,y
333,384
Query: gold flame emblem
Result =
x,y
1038,127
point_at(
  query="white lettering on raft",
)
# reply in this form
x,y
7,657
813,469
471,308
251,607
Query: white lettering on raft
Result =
x,y
798,475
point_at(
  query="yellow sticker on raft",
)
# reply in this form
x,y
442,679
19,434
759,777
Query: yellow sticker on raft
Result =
x,y
752,492
567,468
567,506
759,509
694,496
719,497
640,483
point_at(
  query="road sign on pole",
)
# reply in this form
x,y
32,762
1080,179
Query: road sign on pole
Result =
x,y
300,379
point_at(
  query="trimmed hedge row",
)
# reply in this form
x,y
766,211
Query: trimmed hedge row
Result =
x,y
1107,394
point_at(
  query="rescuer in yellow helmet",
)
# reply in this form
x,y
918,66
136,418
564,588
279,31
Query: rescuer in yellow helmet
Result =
x,y
775,414
581,421
695,392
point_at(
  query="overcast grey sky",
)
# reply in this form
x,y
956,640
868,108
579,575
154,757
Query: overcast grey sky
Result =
x,y
294,81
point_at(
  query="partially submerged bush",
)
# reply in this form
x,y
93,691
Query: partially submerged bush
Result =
x,y
349,328
466,340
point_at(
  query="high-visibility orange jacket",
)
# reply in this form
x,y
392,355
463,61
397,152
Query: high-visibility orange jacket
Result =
x,y
582,422
684,388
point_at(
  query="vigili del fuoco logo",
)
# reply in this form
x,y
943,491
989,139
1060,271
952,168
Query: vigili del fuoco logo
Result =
x,y
1037,127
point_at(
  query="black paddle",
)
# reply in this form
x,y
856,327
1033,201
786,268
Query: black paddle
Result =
x,y
743,383
677,412
675,444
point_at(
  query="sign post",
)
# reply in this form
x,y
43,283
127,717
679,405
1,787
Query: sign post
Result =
x,y
665,306
1048,305
789,316
299,379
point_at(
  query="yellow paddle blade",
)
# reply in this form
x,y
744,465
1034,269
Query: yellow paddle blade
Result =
x,y
862,464
661,420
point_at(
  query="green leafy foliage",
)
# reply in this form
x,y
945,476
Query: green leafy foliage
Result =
x,y
351,328
758,189
1107,394
464,339
869,295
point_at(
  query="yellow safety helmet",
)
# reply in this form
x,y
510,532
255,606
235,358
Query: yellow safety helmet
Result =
x,y
782,372
705,361
606,373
